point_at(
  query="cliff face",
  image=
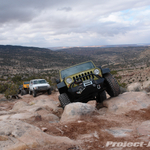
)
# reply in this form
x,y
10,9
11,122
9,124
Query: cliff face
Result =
x,y
40,123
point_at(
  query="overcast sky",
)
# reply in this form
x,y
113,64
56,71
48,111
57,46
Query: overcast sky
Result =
x,y
54,23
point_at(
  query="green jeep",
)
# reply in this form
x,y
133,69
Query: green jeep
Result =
x,y
85,82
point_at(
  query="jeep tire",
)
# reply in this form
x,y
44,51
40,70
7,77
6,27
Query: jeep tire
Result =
x,y
64,99
49,92
34,93
111,84
30,92
23,92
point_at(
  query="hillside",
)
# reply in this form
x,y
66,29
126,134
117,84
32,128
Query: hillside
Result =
x,y
29,60
114,57
18,59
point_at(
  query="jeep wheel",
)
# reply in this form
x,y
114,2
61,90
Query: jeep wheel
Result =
x,y
30,92
34,93
49,92
112,86
101,97
23,92
64,99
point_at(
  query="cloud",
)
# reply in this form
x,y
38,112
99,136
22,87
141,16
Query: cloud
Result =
x,y
74,23
65,9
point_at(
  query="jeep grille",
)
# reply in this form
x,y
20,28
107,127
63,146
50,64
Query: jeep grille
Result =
x,y
84,76
42,87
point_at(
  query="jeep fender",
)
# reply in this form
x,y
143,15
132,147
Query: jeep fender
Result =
x,y
62,87
105,70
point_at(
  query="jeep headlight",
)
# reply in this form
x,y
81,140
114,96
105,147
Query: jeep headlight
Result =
x,y
96,71
69,80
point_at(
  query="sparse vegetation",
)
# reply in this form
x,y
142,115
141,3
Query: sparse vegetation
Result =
x,y
12,90
18,64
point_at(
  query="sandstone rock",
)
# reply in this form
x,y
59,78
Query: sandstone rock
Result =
x,y
144,128
44,129
119,132
127,102
18,135
74,111
2,97
135,87
3,113
50,117
19,105
37,117
23,110
58,112
40,104
146,84
19,116
35,106
122,90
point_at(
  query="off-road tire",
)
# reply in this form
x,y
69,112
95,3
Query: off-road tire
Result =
x,y
64,99
23,92
34,93
111,84
101,97
49,92
30,92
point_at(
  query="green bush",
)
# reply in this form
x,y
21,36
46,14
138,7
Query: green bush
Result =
x,y
3,87
123,85
11,90
16,79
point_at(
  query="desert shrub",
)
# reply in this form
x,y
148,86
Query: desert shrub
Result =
x,y
124,85
118,77
52,82
3,87
1,79
11,91
113,72
16,79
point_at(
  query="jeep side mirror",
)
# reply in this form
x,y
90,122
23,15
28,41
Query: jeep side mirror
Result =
x,y
57,81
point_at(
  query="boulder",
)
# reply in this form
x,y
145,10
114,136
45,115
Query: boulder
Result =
x,y
18,135
22,110
119,132
19,105
135,87
74,111
50,117
127,102
146,84
122,90
144,128
2,97
35,105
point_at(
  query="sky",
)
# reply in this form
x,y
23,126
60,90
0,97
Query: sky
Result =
x,y
57,23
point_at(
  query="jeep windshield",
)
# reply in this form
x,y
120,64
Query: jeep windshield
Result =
x,y
26,82
75,69
39,81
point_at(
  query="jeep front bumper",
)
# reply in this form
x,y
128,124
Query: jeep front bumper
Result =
x,y
87,87
42,88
